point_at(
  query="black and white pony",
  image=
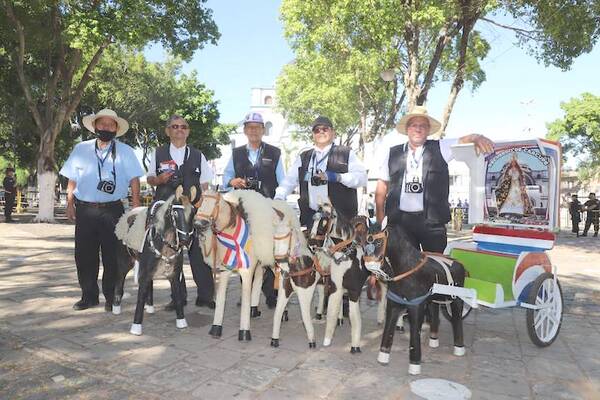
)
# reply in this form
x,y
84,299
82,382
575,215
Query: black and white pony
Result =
x,y
410,275
336,238
155,236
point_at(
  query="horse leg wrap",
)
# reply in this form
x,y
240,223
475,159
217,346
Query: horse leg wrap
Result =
x,y
216,331
414,369
274,342
181,323
355,350
434,343
244,336
459,351
149,309
383,358
254,313
312,345
136,329
327,342
116,310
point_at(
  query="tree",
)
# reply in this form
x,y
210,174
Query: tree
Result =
x,y
421,42
579,132
65,40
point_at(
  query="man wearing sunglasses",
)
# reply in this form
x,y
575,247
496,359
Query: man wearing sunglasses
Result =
x,y
325,173
175,164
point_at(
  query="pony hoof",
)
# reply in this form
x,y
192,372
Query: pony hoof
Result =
x,y
181,323
216,331
285,316
383,358
274,342
244,336
340,322
116,310
254,313
136,329
355,350
319,316
414,369
149,309
312,345
459,351
434,343
327,342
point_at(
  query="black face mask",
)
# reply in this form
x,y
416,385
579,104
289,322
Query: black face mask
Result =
x,y
105,136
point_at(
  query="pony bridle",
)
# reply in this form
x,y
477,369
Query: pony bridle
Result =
x,y
284,258
372,258
177,247
212,217
321,236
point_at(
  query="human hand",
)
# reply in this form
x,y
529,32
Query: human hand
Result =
x,y
482,144
238,183
71,212
164,177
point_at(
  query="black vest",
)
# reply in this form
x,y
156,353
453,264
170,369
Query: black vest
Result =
x,y
343,198
265,167
436,182
188,173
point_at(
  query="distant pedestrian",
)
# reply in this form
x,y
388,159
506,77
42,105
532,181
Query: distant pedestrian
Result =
x,y
10,193
592,208
575,211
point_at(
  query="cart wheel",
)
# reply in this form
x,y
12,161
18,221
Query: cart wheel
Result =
x,y
447,311
543,324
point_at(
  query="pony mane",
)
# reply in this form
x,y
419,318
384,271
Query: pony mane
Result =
x,y
132,235
290,218
343,227
159,215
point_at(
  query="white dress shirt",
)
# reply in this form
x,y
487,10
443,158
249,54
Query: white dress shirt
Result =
x,y
354,178
178,155
413,202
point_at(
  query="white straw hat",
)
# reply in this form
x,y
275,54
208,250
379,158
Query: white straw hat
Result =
x,y
418,111
122,124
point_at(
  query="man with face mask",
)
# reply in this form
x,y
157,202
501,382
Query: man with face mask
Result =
x,y
100,173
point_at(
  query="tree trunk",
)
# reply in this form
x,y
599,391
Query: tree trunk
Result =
x,y
46,177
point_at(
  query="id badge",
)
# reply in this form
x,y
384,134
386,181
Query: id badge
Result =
x,y
168,166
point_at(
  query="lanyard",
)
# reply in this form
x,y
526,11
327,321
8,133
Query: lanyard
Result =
x,y
316,163
112,150
258,163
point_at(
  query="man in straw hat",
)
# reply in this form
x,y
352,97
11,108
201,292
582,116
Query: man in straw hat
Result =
x,y
413,182
100,173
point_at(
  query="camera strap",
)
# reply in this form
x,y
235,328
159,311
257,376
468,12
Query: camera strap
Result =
x,y
258,162
315,163
112,151
414,163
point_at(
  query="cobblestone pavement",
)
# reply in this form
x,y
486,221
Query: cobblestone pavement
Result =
x,y
49,351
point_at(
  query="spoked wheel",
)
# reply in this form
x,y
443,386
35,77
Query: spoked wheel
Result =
x,y
543,324
447,311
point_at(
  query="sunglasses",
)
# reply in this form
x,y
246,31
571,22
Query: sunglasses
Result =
x,y
318,129
184,127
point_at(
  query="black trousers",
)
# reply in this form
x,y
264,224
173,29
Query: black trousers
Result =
x,y
588,222
201,272
423,236
9,203
575,225
94,231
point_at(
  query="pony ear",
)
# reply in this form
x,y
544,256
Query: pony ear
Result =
x,y
384,223
178,192
193,193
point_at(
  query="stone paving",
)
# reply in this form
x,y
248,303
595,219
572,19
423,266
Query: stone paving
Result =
x,y
50,351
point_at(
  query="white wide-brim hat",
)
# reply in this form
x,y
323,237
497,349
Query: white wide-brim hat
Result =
x,y
418,111
90,120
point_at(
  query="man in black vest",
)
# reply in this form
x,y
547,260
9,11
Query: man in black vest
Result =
x,y
325,173
413,181
177,164
10,192
256,166
592,206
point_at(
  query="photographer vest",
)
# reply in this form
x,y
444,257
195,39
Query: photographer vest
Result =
x,y
436,182
263,170
343,198
189,172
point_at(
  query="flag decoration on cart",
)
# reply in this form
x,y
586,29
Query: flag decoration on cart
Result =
x,y
236,256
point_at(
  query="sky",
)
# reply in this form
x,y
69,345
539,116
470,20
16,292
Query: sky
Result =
x,y
516,101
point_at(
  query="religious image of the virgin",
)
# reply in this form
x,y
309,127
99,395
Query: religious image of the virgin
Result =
x,y
511,192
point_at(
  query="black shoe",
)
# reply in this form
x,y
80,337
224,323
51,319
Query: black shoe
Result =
x,y
596,234
210,304
271,302
171,305
85,304
583,234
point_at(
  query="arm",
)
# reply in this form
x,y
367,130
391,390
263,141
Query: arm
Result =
x,y
357,173
380,195
135,192
279,172
482,143
151,177
71,200
290,181
229,179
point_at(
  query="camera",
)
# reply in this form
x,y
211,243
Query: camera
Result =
x,y
106,187
253,183
413,187
317,180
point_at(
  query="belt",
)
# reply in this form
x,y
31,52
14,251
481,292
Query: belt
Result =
x,y
413,213
98,205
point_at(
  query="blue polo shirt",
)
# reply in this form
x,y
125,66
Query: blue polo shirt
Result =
x,y
82,167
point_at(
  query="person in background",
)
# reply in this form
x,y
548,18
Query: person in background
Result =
x,y
592,208
10,193
575,211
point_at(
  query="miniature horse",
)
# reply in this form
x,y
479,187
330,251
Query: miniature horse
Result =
x,y
169,231
345,272
297,274
410,275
